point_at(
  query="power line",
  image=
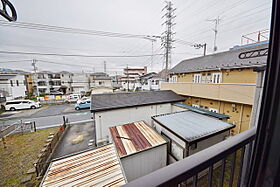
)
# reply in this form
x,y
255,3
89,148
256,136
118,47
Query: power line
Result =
x,y
76,55
44,27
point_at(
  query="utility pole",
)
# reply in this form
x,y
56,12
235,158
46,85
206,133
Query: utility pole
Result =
x,y
167,38
204,46
127,77
105,69
216,22
36,78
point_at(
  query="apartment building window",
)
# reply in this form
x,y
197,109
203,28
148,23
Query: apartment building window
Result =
x,y
214,110
11,82
17,83
217,78
194,105
174,78
197,78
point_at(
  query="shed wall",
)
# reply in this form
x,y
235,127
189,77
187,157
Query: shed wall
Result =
x,y
206,143
106,119
143,163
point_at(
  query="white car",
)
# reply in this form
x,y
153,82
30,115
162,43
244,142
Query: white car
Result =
x,y
83,99
72,98
21,104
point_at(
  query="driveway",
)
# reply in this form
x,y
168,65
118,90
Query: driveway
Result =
x,y
76,139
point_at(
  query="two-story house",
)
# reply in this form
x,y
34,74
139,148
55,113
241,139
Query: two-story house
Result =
x,y
223,82
12,86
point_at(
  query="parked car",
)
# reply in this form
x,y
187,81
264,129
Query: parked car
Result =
x,y
21,104
83,99
56,93
72,98
83,105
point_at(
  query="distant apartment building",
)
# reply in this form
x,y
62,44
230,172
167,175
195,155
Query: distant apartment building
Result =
x,y
12,86
129,80
80,83
66,82
46,82
224,82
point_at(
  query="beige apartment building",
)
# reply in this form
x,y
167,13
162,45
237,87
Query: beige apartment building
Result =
x,y
223,82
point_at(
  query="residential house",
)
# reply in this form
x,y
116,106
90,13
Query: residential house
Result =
x,y
140,148
95,167
222,82
80,83
189,132
100,83
150,81
12,86
130,76
119,108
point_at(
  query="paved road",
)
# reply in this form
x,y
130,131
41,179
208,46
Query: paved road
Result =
x,y
66,145
52,110
54,120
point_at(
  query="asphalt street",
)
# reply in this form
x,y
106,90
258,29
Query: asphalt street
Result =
x,y
84,131
50,116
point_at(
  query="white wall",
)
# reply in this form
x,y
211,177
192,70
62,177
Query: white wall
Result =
x,y
14,91
144,162
106,119
209,142
100,90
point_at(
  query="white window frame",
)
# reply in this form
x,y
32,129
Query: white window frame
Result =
x,y
197,78
195,105
174,78
214,110
217,78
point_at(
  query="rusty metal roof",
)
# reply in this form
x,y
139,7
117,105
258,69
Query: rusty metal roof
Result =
x,y
135,137
98,167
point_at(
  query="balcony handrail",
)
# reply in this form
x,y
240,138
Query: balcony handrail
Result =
x,y
177,172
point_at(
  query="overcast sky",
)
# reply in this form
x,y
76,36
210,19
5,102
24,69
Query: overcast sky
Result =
x,y
238,17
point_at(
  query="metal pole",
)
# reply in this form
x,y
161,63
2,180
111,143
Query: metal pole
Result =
x,y
127,77
204,46
36,78
152,59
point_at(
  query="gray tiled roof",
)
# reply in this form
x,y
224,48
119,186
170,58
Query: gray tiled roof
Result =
x,y
224,60
109,101
192,126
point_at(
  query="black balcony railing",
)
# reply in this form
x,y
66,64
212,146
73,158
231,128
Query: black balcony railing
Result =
x,y
223,164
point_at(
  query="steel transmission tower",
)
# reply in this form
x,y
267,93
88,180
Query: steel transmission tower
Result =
x,y
167,35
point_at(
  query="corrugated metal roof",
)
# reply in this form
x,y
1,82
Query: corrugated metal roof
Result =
x,y
98,167
109,101
202,111
135,137
190,125
223,60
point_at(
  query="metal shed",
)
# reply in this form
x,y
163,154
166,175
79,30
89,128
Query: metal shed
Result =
x,y
141,149
97,167
189,132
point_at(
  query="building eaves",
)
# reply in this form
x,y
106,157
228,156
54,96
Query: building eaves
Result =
x,y
202,111
111,101
224,60
191,126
